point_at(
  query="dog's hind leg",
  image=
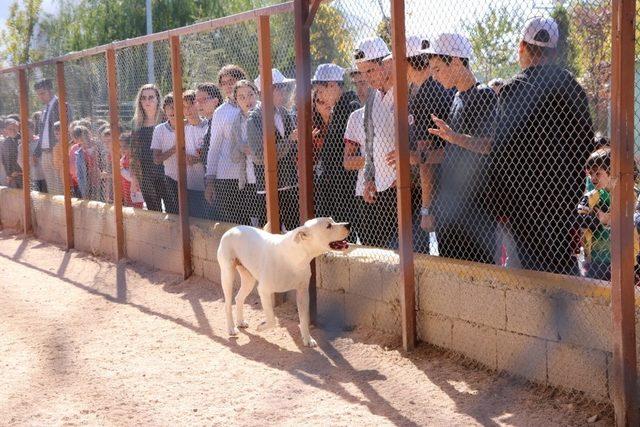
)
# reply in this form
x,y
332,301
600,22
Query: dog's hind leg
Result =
x,y
247,282
267,306
226,277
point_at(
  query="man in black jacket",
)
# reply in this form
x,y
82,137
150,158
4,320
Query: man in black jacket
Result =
x,y
335,185
543,138
46,138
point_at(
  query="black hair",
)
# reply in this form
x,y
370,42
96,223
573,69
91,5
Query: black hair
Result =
x,y
600,158
43,84
418,62
211,90
449,59
539,51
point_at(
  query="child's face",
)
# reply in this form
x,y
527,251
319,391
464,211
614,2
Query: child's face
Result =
x,y
246,98
106,139
190,109
600,179
56,133
11,131
170,112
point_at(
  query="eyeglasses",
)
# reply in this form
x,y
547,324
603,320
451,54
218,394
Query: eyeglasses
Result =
x,y
147,98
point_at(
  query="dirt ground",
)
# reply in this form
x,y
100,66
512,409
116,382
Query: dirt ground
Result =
x,y
86,341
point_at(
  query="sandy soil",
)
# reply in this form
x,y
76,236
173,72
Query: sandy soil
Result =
x,y
87,341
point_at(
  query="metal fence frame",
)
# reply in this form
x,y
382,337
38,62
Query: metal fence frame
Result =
x,y
622,136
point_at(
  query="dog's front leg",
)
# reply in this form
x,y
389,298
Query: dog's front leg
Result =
x,y
267,306
302,299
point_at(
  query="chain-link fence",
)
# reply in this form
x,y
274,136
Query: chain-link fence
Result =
x,y
509,124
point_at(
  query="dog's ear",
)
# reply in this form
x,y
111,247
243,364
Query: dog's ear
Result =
x,y
300,235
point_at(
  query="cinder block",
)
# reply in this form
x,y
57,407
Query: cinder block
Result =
x,y
198,243
439,295
331,310
435,329
387,318
364,279
532,314
198,266
211,271
523,356
163,232
583,322
483,305
578,368
167,259
133,250
359,310
333,272
390,282
475,341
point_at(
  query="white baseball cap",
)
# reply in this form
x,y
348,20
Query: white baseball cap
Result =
x,y
416,46
370,49
541,32
450,44
328,73
277,78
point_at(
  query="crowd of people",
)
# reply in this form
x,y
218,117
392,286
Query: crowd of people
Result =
x,y
508,172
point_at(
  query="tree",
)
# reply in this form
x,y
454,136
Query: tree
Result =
x,y
330,38
383,30
494,40
18,34
567,51
592,34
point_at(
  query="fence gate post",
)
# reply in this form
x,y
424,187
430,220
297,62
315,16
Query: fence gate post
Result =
x,y
305,141
183,207
114,119
25,136
403,170
64,147
623,389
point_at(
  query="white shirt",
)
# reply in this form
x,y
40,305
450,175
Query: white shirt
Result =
x,y
219,163
382,116
164,139
45,123
355,132
251,173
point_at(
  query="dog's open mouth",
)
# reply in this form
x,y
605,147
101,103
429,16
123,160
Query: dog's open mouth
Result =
x,y
339,245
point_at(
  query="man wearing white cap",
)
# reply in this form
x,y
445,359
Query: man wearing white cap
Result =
x,y
543,138
334,184
379,215
286,151
465,226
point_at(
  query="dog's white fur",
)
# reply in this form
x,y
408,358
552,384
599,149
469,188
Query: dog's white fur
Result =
x,y
278,262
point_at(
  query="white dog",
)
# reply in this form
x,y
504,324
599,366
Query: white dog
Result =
x,y
279,262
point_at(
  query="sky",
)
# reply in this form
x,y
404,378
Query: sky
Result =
x,y
47,5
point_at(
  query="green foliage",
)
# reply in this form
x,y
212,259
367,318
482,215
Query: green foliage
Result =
x,y
383,30
494,39
567,50
330,38
19,29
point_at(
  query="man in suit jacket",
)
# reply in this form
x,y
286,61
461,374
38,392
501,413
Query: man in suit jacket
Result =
x,y
46,137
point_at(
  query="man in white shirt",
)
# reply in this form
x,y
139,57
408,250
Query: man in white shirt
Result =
x,y
47,140
219,165
379,174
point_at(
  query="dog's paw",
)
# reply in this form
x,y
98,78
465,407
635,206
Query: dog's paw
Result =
x,y
309,342
243,324
265,326
233,331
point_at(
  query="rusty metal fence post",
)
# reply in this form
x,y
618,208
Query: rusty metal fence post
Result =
x,y
26,155
403,184
183,207
268,124
305,141
624,393
114,117
64,147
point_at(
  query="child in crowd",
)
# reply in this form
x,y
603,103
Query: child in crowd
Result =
x,y
131,193
86,163
9,154
595,218
104,163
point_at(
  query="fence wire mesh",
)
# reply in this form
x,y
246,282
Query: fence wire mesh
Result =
x,y
509,116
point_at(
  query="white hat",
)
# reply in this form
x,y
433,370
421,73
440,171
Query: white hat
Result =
x,y
277,78
328,73
416,46
541,32
371,48
450,44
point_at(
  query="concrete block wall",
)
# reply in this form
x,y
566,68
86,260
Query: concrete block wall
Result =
x,y
547,328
